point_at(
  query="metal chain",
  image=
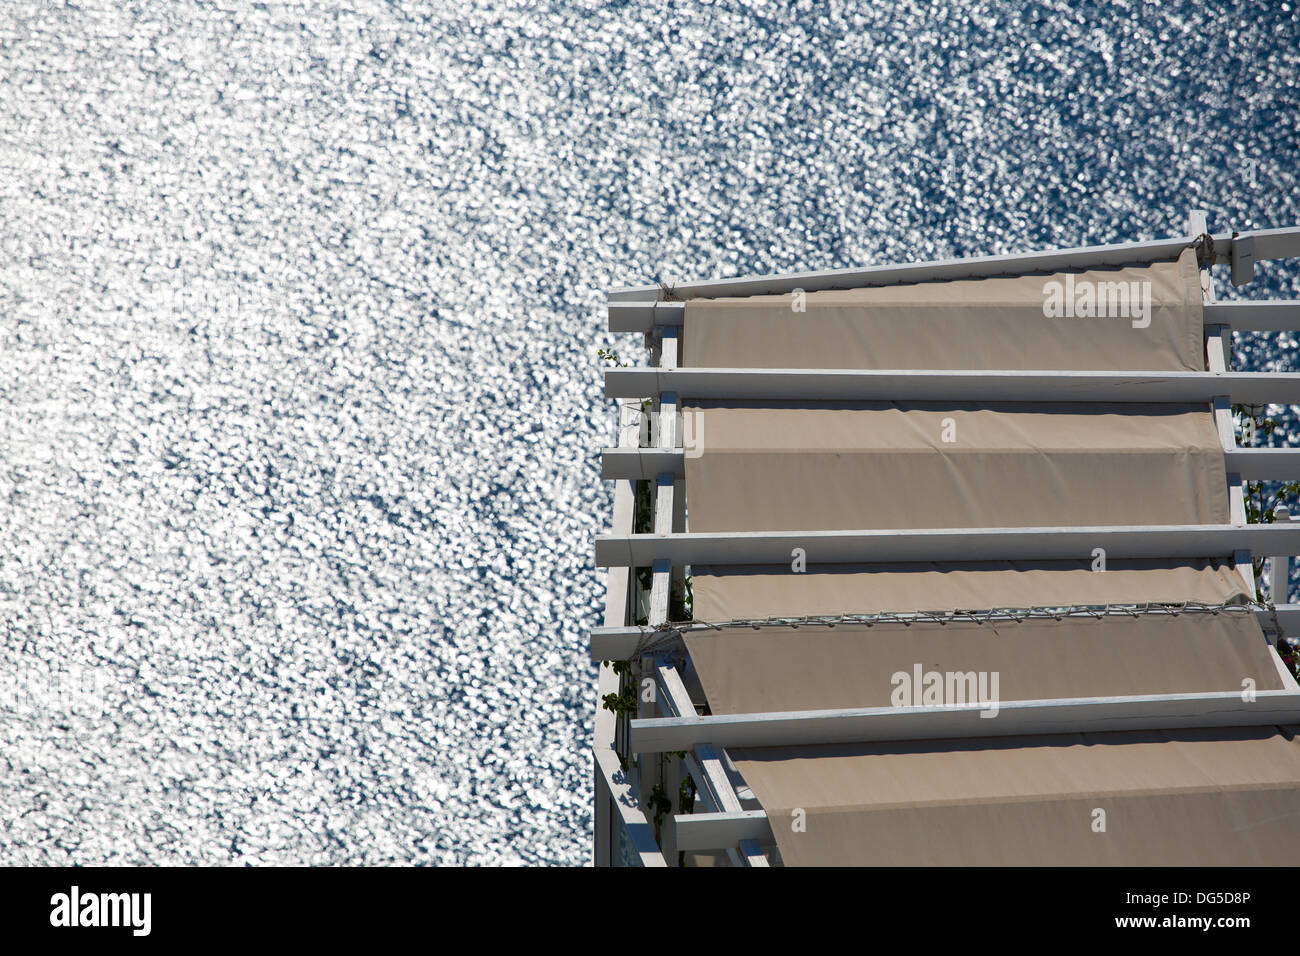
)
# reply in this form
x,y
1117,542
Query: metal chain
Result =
x,y
664,633
1204,246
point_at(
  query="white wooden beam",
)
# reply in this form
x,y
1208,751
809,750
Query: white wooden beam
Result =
x,y
1281,315
942,385
641,464
712,762
645,464
628,810
713,831
673,693
1280,564
618,580
646,774
644,315
1266,244
660,588
711,791
618,593
665,484
624,643
677,582
706,768
1218,357
1264,464
1117,254
1198,225
602,851
716,792
1243,260
712,788
672,784
948,544
1010,718
653,768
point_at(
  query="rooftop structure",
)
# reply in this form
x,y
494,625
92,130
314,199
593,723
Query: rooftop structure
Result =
x,y
950,563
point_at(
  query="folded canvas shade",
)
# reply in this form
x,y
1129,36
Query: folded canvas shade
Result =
x,y
999,323
729,593
788,466
1156,798
813,667
776,668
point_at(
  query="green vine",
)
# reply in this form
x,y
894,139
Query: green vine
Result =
x,y
644,519
686,795
660,804
681,605
609,355
624,702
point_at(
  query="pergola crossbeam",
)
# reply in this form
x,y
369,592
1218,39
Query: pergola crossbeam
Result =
x,y
645,464
1006,718
706,767
929,385
948,544
1264,244
1279,315
713,831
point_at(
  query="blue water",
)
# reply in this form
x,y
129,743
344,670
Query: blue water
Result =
x,y
299,392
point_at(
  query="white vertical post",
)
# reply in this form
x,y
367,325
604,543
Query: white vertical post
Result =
x,y
1280,570
677,581
668,507
672,783
647,764
601,820
665,485
618,591
711,763
1218,356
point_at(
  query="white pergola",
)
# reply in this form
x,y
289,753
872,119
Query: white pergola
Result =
x,y
667,723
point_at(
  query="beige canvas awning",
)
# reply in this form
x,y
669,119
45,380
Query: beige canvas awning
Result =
x,y
997,323
744,593
779,668
791,467
1201,796
815,667
1162,798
